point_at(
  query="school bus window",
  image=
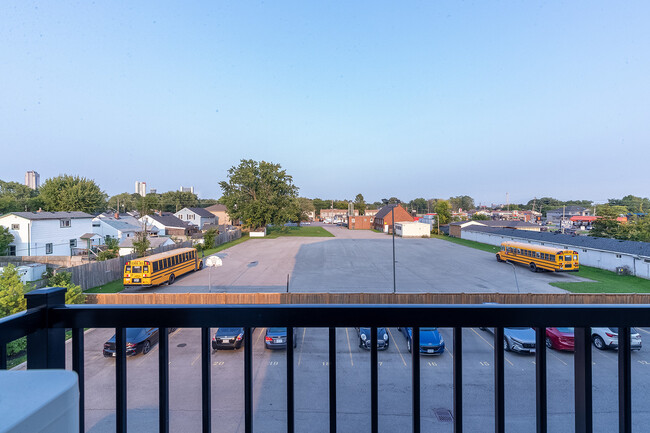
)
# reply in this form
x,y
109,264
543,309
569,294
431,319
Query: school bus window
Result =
x,y
538,255
155,266
137,269
561,258
128,269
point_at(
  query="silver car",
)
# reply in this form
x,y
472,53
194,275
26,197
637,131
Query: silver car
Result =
x,y
607,338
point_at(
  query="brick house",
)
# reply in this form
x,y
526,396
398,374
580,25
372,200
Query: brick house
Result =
x,y
384,218
363,222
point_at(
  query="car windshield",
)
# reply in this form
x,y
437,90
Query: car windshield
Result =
x,y
228,331
565,330
520,329
277,330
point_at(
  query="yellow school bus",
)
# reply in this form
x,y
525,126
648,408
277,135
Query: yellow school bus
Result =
x,y
161,268
539,257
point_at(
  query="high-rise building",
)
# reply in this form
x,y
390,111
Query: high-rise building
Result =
x,y
32,179
187,189
141,188
153,190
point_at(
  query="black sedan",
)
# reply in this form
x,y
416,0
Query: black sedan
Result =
x,y
228,338
276,338
138,340
364,338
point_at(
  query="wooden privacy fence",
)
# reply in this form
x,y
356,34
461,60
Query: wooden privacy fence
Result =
x,y
366,298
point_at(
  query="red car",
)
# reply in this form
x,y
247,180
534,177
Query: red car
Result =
x,y
559,338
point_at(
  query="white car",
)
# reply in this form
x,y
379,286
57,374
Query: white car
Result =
x,y
607,338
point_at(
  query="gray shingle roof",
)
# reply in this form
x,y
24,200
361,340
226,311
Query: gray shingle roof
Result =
x,y
568,209
385,210
606,244
217,208
50,215
169,221
202,212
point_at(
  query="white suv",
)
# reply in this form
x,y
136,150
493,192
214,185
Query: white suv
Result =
x,y
607,338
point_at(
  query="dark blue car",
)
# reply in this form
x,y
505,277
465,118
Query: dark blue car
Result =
x,y
431,342
138,340
364,338
276,338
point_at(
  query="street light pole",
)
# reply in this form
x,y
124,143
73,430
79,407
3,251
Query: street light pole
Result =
x,y
392,216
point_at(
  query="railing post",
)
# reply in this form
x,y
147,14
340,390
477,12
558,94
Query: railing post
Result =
x,y
540,382
499,383
458,380
583,381
46,347
624,380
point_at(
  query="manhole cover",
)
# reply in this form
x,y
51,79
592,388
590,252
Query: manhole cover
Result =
x,y
443,415
181,345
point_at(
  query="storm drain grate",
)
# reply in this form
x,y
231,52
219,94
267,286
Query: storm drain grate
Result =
x,y
181,345
443,415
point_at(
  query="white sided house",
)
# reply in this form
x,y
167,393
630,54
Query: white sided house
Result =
x,y
126,246
196,216
46,233
116,226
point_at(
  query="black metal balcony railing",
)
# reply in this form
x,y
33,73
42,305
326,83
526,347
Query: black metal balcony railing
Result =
x,y
47,317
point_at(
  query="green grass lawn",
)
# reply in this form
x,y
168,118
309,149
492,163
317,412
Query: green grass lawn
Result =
x,y
305,231
603,281
244,238
112,287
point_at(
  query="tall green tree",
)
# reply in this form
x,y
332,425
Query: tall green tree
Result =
x,y
5,239
320,204
443,209
173,201
72,193
420,205
12,291
257,192
15,197
141,243
360,204
464,202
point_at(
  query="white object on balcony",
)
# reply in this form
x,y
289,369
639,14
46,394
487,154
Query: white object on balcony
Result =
x,y
39,401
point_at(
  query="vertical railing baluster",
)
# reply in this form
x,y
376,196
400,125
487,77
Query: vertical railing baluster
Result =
x,y
120,379
332,378
540,380
248,380
458,380
415,378
583,381
3,356
206,381
78,367
499,383
624,380
290,379
374,382
163,380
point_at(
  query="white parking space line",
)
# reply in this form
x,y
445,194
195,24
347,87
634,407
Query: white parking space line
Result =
x,y
349,347
302,343
641,329
489,344
550,352
396,346
196,359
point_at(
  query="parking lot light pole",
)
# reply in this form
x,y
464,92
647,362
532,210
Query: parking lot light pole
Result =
x,y
392,217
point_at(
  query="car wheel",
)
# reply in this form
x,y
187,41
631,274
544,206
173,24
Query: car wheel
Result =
x,y
408,345
506,346
533,267
200,265
146,347
599,342
549,343
360,342
171,279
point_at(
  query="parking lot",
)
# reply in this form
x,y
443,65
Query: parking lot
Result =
x,y
361,261
353,382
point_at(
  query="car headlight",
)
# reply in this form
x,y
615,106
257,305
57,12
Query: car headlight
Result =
x,y
385,337
363,337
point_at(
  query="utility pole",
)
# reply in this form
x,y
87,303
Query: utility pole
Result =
x,y
508,201
562,222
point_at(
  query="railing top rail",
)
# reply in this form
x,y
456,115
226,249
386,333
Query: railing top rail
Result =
x,y
348,315
21,324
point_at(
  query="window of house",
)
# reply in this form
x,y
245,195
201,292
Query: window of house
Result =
x,y
618,256
48,248
65,223
15,227
96,224
12,250
73,243
584,251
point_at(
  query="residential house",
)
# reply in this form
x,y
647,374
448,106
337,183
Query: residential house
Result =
x,y
370,212
117,226
46,233
384,218
197,216
456,228
126,246
169,225
566,212
361,222
335,215
221,212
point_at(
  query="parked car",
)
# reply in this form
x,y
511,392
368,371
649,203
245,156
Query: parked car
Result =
x,y
228,338
276,338
520,340
607,338
560,338
431,342
364,338
138,340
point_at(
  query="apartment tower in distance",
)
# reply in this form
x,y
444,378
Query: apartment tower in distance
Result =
x,y
187,189
141,188
32,179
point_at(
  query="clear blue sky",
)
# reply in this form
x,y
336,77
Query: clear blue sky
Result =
x,y
417,99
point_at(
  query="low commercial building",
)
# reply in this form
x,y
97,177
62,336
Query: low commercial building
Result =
x,y
457,227
361,222
412,229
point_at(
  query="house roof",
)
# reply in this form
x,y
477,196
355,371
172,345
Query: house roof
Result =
x,y
169,221
121,225
217,208
154,241
568,209
385,210
606,244
495,223
89,236
50,215
202,212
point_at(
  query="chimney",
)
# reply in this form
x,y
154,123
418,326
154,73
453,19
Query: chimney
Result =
x,y
39,210
117,215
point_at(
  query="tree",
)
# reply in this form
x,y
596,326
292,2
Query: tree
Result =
x,y
15,197
5,239
124,202
462,202
305,206
112,250
208,238
420,205
141,243
480,217
360,204
12,291
257,192
173,201
74,294
320,204
72,193
443,209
